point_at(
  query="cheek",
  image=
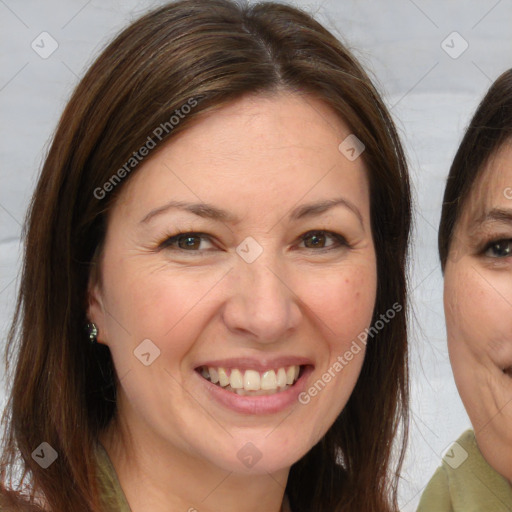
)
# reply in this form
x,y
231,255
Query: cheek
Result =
x,y
342,303
151,301
477,310
479,329
149,304
348,300
465,316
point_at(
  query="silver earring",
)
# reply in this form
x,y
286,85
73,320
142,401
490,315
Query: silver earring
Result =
x,y
92,330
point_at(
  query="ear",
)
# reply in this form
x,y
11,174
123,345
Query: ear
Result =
x,y
95,307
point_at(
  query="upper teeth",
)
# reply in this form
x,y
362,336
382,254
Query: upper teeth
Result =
x,y
252,380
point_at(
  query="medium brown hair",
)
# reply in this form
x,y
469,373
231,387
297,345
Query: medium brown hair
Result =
x,y
64,389
489,129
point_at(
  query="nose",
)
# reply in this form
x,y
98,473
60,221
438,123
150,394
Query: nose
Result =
x,y
262,303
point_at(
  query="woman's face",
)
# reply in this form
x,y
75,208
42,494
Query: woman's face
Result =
x,y
245,298
478,307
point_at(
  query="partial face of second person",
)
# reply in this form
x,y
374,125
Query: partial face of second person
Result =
x,y
269,163
478,307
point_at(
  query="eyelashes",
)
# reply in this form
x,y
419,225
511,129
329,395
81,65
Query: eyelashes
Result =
x,y
187,242
170,241
498,248
339,240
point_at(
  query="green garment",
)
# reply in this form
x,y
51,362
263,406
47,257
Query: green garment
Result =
x,y
473,486
113,498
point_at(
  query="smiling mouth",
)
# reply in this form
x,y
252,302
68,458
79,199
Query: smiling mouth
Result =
x,y
252,382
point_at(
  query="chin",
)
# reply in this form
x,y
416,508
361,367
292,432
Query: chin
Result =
x,y
271,452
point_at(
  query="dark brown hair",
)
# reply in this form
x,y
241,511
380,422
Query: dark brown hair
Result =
x,y
64,390
489,129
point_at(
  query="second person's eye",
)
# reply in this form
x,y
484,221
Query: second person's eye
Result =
x,y
499,249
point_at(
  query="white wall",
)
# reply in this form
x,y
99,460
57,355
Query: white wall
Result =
x,y
431,95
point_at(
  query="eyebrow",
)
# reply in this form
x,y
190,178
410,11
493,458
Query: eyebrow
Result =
x,y
496,214
212,212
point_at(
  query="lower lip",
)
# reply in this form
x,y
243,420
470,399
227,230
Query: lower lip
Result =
x,y
264,404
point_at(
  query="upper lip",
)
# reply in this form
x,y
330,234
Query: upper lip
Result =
x,y
260,364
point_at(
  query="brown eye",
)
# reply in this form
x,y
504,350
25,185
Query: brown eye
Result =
x,y
189,242
499,249
317,240
185,241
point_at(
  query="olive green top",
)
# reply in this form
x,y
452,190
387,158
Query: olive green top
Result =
x,y
465,482
113,498
112,495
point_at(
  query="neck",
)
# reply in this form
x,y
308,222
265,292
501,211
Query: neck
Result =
x,y
163,478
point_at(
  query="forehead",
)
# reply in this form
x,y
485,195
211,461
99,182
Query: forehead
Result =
x,y
282,147
270,124
493,188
